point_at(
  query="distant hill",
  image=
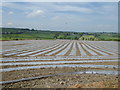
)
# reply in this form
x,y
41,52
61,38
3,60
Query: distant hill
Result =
x,y
31,34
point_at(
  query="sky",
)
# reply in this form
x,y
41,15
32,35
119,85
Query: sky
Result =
x,y
61,16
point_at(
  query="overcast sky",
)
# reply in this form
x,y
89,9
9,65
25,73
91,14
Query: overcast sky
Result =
x,y
64,16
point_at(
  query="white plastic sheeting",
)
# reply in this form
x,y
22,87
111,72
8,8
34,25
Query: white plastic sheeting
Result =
x,y
65,50
83,53
96,50
56,62
24,54
46,51
99,48
73,51
9,54
53,52
58,58
90,51
54,66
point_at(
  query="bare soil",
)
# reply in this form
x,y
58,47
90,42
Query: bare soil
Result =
x,y
12,75
69,81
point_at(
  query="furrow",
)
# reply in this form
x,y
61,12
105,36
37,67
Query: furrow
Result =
x,y
47,51
24,54
73,51
97,51
82,52
53,52
65,50
90,51
99,48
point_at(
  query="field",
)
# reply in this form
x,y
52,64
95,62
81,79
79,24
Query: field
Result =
x,y
59,64
31,34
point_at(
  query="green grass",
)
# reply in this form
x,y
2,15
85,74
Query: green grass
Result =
x,y
88,37
27,34
110,37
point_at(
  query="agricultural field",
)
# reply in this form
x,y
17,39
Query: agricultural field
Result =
x,y
59,64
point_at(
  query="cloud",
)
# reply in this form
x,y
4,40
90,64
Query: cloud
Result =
x,y
60,1
0,4
76,9
10,12
35,13
11,5
9,23
64,16
1,11
55,17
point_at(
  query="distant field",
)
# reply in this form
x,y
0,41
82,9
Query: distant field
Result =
x,y
27,34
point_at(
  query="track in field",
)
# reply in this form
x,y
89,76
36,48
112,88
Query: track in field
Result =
x,y
62,54
75,48
74,51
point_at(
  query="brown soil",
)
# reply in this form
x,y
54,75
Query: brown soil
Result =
x,y
49,51
69,81
26,55
77,50
94,51
20,52
17,44
98,49
44,71
86,50
60,51
69,50
99,84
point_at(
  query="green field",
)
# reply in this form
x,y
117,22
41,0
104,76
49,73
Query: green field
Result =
x,y
88,37
31,34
